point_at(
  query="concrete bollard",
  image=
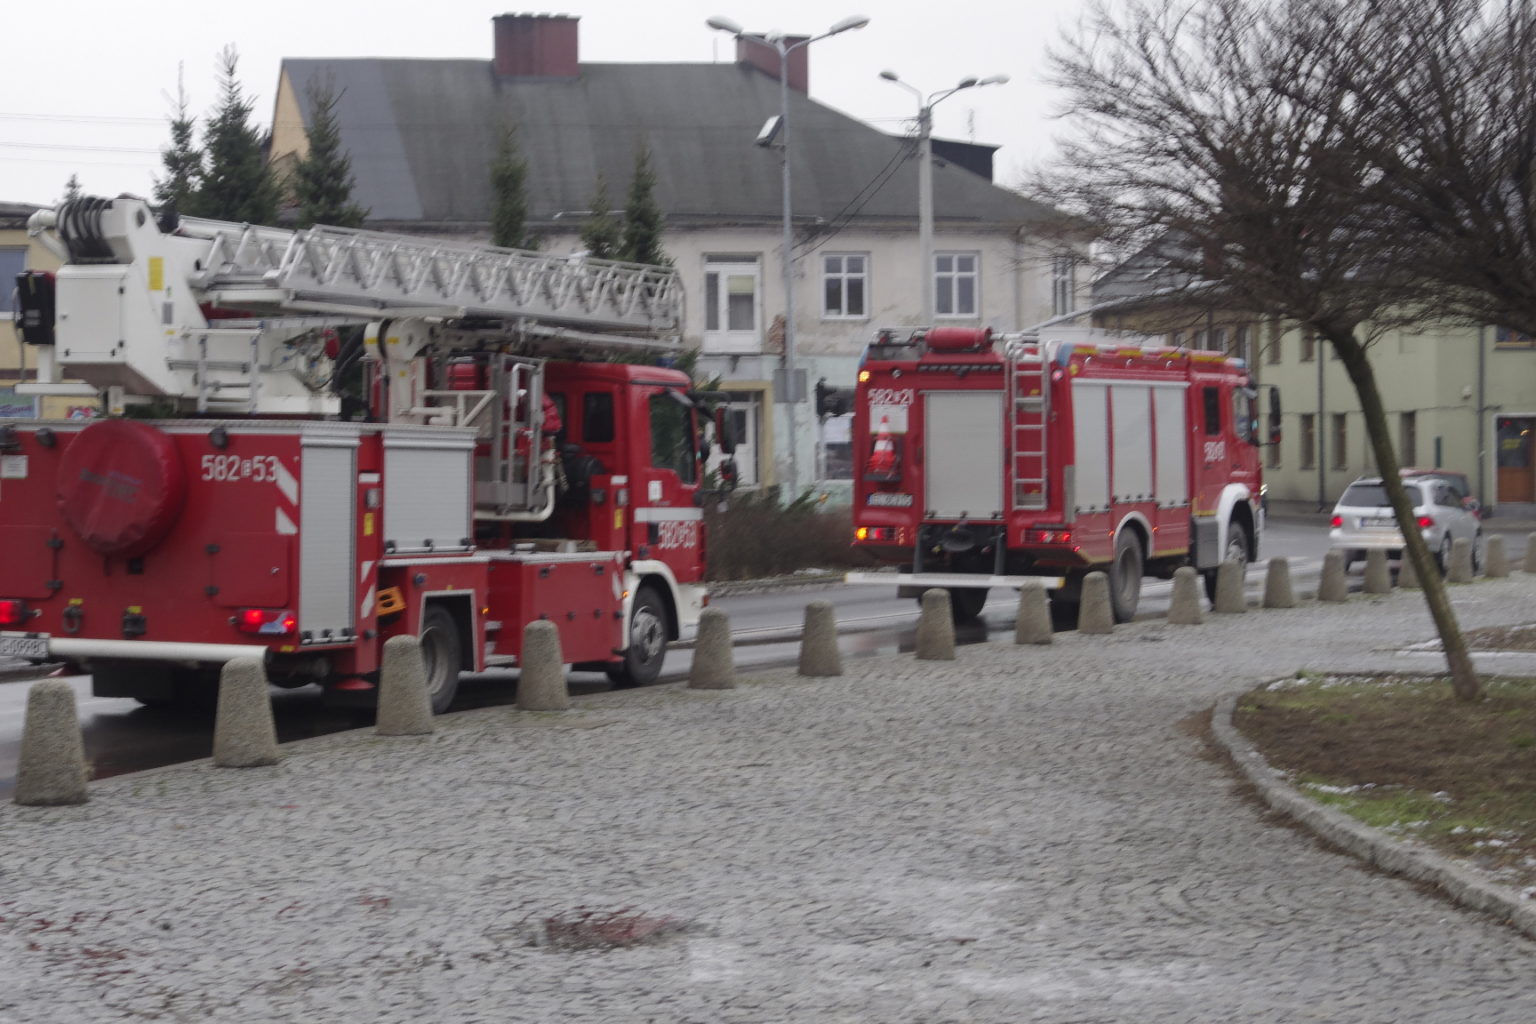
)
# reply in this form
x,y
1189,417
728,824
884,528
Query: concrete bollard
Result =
x,y
50,769
1333,586
1094,614
714,665
1230,599
405,708
1378,578
243,733
1032,622
1461,561
1184,606
541,669
1407,575
1530,554
1278,592
1495,559
819,655
935,639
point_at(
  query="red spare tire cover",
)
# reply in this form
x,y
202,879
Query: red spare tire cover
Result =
x,y
121,486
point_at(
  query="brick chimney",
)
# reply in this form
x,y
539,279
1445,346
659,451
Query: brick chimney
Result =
x,y
766,58
536,45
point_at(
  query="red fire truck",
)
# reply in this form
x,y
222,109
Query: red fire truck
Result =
x,y
989,459
496,462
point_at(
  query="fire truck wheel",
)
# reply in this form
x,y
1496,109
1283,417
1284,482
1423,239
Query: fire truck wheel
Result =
x,y
1125,577
1237,551
647,642
965,603
440,651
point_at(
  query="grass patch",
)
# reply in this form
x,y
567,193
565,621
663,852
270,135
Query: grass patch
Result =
x,y
1400,753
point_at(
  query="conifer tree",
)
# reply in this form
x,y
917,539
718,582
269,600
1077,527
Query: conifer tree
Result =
x,y
182,160
642,215
509,195
322,180
603,234
237,184
72,189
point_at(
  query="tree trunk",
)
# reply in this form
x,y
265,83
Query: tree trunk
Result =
x,y
1464,680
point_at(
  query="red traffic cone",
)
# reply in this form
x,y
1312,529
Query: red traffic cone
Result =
x,y
882,457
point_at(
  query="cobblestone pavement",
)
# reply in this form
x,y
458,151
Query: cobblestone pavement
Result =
x,y
1024,834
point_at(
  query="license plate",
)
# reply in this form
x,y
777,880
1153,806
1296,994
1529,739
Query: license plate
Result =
x,y
1379,521
889,500
24,646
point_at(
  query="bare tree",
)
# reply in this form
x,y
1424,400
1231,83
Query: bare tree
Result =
x,y
1209,128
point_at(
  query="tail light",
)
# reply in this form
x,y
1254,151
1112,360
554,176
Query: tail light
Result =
x,y
1048,537
1425,522
266,621
12,612
1336,522
875,533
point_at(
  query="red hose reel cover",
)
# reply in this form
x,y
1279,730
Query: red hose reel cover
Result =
x,y
121,486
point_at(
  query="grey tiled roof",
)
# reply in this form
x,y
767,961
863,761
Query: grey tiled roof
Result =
x,y
422,135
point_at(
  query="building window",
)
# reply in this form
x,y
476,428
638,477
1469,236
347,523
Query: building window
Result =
x,y
12,262
1218,340
1340,440
1308,346
1272,350
1503,337
1408,439
955,283
1063,285
844,285
1242,344
732,304
1307,436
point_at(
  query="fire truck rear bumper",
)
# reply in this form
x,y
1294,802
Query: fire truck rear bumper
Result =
x,y
922,581
78,649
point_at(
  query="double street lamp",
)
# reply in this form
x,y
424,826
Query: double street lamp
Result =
x,y
925,172
780,43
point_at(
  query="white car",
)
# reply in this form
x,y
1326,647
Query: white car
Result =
x,y
1363,519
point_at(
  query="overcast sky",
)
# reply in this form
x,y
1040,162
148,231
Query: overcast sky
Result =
x,y
86,85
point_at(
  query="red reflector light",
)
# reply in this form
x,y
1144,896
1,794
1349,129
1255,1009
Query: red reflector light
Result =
x,y
1050,537
1425,522
1336,522
266,621
12,613
875,533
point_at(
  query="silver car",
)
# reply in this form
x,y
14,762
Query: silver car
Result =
x,y
1363,519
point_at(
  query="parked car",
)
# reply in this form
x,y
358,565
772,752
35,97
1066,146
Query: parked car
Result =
x,y
1363,519
1456,478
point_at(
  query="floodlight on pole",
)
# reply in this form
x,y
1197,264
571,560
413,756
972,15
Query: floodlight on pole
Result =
x,y
777,41
925,171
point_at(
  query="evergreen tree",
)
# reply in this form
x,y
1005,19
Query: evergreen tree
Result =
x,y
642,216
72,189
182,160
509,195
602,234
237,184
322,181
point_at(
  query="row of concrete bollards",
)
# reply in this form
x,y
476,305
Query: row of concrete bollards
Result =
x,y
52,769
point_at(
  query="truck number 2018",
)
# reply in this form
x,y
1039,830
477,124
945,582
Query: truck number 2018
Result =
x,y
231,468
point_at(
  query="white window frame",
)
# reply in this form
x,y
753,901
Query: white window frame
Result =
x,y
722,339
947,281
841,276
1063,285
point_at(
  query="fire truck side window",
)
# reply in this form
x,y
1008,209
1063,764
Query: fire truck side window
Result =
x,y
1212,411
1245,418
597,417
672,437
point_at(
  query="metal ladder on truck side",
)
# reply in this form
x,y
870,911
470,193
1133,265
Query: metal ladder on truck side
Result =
x,y
1029,411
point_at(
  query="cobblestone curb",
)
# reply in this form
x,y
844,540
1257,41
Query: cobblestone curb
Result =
x,y
1462,885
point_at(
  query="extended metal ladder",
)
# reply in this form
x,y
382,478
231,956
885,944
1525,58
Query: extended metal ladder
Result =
x,y
1029,411
372,274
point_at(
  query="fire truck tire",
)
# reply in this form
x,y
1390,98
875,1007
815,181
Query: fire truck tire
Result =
x,y
647,647
440,653
1125,573
1237,551
121,486
965,603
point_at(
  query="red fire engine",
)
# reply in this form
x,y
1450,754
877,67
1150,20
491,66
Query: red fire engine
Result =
x,y
497,465
988,460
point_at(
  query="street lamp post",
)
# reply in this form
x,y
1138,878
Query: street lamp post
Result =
x,y
925,172
779,43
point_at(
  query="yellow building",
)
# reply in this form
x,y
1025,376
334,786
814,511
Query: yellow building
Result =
x,y
17,361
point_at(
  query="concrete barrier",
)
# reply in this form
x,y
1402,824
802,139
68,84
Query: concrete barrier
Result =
x,y
714,664
1378,578
1495,558
405,709
1230,599
1184,607
1032,622
819,655
1407,575
541,669
244,735
1278,592
1094,613
1461,561
1332,586
50,769
935,639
